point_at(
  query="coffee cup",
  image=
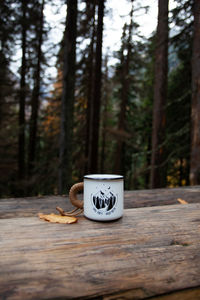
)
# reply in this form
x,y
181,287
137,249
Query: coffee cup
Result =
x,y
103,196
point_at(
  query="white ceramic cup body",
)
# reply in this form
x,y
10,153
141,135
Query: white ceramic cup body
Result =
x,y
103,197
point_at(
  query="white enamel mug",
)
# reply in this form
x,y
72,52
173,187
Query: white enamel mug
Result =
x,y
103,196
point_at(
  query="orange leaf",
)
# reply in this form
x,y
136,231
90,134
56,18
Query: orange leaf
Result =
x,y
181,201
53,218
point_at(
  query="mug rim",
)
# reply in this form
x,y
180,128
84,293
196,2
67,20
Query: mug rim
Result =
x,y
103,177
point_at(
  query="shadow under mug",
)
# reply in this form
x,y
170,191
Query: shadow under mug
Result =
x,y
103,196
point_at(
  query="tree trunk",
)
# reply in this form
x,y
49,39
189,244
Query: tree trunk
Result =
x,y
104,118
195,114
148,162
35,97
125,80
160,96
22,95
67,101
90,91
96,99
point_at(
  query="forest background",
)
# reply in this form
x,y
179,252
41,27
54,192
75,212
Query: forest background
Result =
x,y
74,108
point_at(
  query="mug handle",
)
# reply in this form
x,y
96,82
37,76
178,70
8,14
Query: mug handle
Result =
x,y
73,192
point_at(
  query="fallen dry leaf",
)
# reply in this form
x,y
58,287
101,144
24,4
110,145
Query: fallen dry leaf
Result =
x,y
182,201
53,218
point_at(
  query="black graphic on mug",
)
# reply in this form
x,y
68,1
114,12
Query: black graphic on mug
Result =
x,y
104,200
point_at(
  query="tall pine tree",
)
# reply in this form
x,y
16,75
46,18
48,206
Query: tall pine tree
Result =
x,y
33,126
96,97
195,114
67,108
160,97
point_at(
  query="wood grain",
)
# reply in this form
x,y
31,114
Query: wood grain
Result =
x,y
186,294
21,207
151,251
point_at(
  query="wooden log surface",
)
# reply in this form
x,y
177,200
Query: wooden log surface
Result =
x,y
29,206
151,251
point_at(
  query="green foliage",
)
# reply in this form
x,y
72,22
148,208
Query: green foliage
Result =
x,y
179,97
140,118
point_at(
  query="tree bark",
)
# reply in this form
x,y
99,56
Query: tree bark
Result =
x,y
96,99
160,95
22,95
195,112
67,101
35,98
